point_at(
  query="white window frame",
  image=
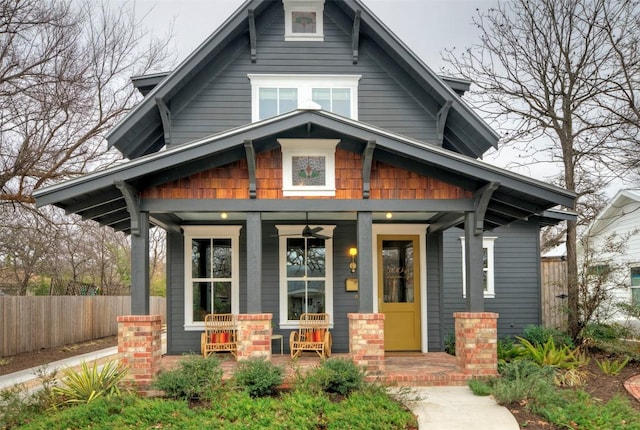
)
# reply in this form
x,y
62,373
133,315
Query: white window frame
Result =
x,y
488,243
305,85
308,147
285,232
632,287
210,232
291,6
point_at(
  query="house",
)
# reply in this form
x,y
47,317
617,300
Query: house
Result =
x,y
616,269
303,159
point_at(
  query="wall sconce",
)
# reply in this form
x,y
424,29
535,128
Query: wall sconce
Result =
x,y
353,252
224,215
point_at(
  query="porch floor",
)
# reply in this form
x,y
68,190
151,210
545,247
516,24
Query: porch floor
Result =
x,y
401,369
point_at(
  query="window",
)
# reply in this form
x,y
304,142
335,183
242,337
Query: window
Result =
x,y
277,94
303,20
487,267
306,273
635,286
211,272
308,167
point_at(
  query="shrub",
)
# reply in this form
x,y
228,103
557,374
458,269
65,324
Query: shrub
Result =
x,y
196,377
538,335
481,387
595,333
335,375
258,377
450,342
523,380
612,367
89,384
508,350
548,354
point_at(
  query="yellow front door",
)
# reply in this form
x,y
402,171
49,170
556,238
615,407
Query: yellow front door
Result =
x,y
399,291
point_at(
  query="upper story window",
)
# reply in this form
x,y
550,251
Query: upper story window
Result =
x,y
303,20
273,95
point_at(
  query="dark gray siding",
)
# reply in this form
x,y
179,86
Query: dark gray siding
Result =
x,y
517,278
181,341
434,291
219,98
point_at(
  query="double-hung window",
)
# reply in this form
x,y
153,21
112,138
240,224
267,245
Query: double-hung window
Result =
x,y
211,272
306,273
274,95
488,273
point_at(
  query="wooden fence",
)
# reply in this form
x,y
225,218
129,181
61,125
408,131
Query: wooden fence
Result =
x,y
31,323
554,293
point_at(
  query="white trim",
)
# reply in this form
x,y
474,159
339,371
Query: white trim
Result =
x,y
487,242
419,230
304,84
291,6
309,147
286,231
218,232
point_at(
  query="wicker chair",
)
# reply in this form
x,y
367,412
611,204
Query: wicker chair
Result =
x,y
220,334
313,335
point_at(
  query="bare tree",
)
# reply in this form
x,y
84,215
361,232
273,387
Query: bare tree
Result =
x,y
64,70
550,74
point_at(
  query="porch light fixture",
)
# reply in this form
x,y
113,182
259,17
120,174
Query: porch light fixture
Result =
x,y
388,215
224,215
353,252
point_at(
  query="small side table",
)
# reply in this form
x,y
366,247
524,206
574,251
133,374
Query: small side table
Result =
x,y
278,337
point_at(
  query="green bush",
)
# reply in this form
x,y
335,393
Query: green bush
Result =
x,y
596,332
196,377
481,387
258,377
509,350
450,342
612,367
548,354
538,335
335,375
522,380
88,384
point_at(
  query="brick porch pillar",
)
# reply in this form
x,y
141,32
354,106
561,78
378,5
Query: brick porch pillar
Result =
x,y
254,336
140,348
477,342
366,341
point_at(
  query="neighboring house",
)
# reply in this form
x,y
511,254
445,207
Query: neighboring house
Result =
x,y
298,131
617,222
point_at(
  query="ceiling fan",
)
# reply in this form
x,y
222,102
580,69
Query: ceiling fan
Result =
x,y
309,233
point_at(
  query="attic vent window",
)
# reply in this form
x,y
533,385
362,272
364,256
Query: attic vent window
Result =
x,y
303,20
308,167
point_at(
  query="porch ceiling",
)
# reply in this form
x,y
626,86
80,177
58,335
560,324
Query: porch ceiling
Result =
x,y
96,196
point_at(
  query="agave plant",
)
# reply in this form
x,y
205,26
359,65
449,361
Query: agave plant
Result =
x,y
88,384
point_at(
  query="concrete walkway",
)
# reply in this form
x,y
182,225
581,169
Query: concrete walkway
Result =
x,y
447,407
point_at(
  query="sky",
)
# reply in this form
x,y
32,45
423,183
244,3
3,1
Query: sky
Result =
x,y
427,27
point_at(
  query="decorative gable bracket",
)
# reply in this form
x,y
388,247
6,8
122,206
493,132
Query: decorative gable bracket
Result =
x,y
367,160
252,35
165,116
251,166
355,36
132,200
481,203
441,120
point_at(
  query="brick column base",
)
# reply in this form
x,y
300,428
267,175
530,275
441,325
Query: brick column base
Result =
x,y
254,336
477,342
140,348
366,341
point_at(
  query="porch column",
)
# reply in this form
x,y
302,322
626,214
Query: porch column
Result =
x,y
140,348
254,263
366,341
473,264
254,336
477,342
140,293
365,263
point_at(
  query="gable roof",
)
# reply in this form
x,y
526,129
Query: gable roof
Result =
x,y
96,196
141,131
614,210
